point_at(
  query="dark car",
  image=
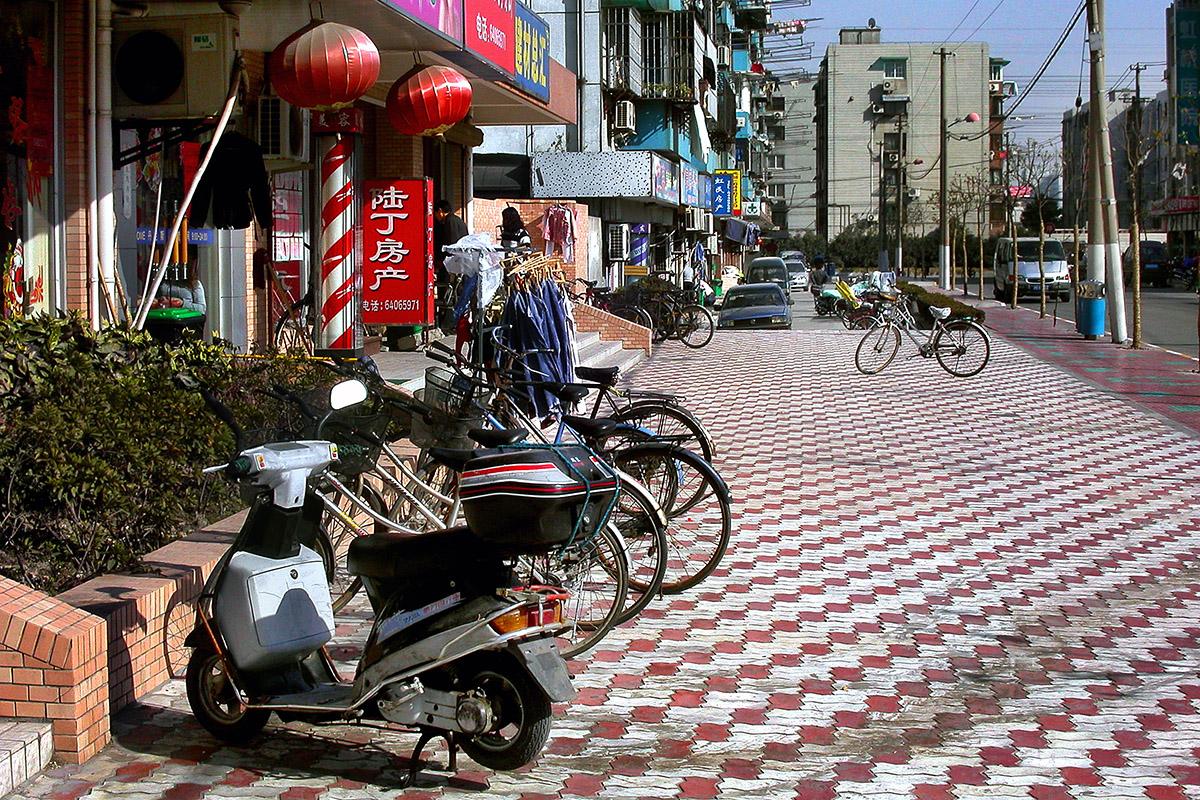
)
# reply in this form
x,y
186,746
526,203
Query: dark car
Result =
x,y
1156,264
755,305
769,269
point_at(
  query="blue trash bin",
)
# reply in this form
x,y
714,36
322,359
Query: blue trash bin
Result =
x,y
1090,321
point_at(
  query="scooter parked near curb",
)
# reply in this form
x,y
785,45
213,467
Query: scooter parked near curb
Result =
x,y
458,650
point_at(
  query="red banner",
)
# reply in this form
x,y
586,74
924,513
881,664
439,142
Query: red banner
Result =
x,y
398,284
491,31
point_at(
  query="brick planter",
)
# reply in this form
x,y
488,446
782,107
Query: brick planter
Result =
x,y
76,658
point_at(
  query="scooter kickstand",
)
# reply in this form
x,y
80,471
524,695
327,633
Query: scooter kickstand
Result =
x,y
415,762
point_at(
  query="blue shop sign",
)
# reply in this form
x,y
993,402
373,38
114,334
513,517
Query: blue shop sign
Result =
x,y
533,54
195,236
722,194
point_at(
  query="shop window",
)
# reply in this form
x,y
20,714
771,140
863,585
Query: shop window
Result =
x,y
27,252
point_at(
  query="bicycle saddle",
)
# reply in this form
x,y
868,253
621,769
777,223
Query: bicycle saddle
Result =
x,y
496,438
567,392
604,375
590,428
454,459
939,313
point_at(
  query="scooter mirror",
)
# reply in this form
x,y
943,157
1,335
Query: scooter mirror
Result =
x,y
347,393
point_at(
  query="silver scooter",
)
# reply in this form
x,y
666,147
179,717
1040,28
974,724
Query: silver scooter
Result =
x,y
458,650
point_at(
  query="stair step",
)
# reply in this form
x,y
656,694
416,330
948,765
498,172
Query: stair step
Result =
x,y
593,354
26,747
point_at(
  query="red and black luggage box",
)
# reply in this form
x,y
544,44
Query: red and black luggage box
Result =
x,y
529,500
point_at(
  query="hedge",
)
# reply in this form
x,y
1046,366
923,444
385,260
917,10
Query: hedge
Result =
x,y
925,298
101,452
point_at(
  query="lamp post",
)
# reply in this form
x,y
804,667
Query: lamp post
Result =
x,y
944,192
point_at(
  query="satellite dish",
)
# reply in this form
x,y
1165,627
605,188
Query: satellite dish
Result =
x,y
871,22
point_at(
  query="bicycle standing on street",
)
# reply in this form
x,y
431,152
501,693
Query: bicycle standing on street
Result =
x,y
961,346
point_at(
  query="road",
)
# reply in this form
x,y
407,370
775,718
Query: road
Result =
x,y
1168,317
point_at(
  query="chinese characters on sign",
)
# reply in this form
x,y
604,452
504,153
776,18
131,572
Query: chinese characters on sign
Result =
x,y
398,252
689,185
1187,70
532,54
490,31
727,192
344,120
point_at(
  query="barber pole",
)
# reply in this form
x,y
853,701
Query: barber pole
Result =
x,y
341,284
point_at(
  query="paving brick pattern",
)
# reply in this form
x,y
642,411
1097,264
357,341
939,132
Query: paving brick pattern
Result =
x,y
938,588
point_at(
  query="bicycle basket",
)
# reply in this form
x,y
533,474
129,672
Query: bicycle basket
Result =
x,y
436,429
363,433
448,391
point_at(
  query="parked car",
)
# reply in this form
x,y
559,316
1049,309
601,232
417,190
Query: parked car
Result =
x,y
798,275
1157,266
770,269
1019,258
755,305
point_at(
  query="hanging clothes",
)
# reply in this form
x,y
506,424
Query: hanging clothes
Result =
x,y
558,226
527,330
236,184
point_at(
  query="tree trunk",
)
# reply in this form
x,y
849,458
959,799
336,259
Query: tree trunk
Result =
x,y
1042,265
1135,235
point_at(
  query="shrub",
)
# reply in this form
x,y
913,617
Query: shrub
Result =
x,y
925,298
101,451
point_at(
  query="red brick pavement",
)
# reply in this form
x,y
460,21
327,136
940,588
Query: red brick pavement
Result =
x,y
937,588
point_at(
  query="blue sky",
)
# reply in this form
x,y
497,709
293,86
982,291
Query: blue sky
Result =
x,y
1022,31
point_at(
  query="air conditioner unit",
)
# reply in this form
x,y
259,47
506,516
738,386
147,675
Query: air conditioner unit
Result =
x,y
618,242
895,86
712,244
172,67
891,159
283,132
876,108
995,87
707,227
913,193
624,117
724,56
695,219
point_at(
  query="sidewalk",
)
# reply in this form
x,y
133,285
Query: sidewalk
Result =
x,y
937,589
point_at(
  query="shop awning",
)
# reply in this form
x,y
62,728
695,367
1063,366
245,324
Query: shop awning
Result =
x,y
500,175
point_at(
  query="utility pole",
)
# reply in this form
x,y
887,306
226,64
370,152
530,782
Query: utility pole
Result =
x,y
1133,155
901,199
944,180
1102,147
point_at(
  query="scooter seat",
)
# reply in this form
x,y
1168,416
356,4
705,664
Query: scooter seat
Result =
x,y
604,375
391,557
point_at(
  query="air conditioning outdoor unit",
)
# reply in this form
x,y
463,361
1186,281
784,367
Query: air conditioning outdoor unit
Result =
x,y
913,193
283,132
876,108
624,117
172,67
724,56
695,219
891,159
618,242
895,86
707,227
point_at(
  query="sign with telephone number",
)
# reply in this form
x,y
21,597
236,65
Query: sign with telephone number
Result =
x,y
397,281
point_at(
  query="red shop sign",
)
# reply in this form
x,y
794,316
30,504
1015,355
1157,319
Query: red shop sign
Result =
x,y
491,31
398,285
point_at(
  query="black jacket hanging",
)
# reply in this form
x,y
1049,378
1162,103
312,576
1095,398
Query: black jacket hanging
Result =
x,y
236,183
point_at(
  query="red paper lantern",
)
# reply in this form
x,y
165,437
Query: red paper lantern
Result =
x,y
324,65
426,101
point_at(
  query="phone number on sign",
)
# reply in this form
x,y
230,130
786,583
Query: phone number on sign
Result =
x,y
391,305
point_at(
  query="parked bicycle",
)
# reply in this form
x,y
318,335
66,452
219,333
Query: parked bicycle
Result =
x,y
961,346
603,298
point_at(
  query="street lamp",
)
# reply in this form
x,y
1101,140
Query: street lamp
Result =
x,y
943,193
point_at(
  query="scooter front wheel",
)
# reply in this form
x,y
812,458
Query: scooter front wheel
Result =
x,y
215,702
521,721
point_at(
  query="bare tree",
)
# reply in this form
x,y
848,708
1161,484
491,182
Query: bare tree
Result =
x,y
1031,165
1139,145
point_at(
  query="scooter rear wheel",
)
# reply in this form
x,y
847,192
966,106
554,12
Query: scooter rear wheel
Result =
x,y
215,702
521,709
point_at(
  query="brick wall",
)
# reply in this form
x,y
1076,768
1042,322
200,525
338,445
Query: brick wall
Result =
x,y
54,666
75,47
487,220
612,328
77,658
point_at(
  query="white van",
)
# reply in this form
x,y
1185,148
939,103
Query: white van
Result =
x,y
1023,261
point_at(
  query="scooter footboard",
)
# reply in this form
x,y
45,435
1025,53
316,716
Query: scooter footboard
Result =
x,y
543,661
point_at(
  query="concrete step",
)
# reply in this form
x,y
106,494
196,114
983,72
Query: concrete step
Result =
x,y
26,747
598,353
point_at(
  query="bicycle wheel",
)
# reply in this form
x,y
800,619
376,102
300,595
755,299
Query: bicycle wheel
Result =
x,y
696,502
338,529
671,424
962,348
877,349
432,479
595,573
662,317
638,520
696,326
293,332
862,322
635,314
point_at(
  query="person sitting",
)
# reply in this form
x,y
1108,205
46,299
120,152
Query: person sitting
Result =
x,y
181,287
513,234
